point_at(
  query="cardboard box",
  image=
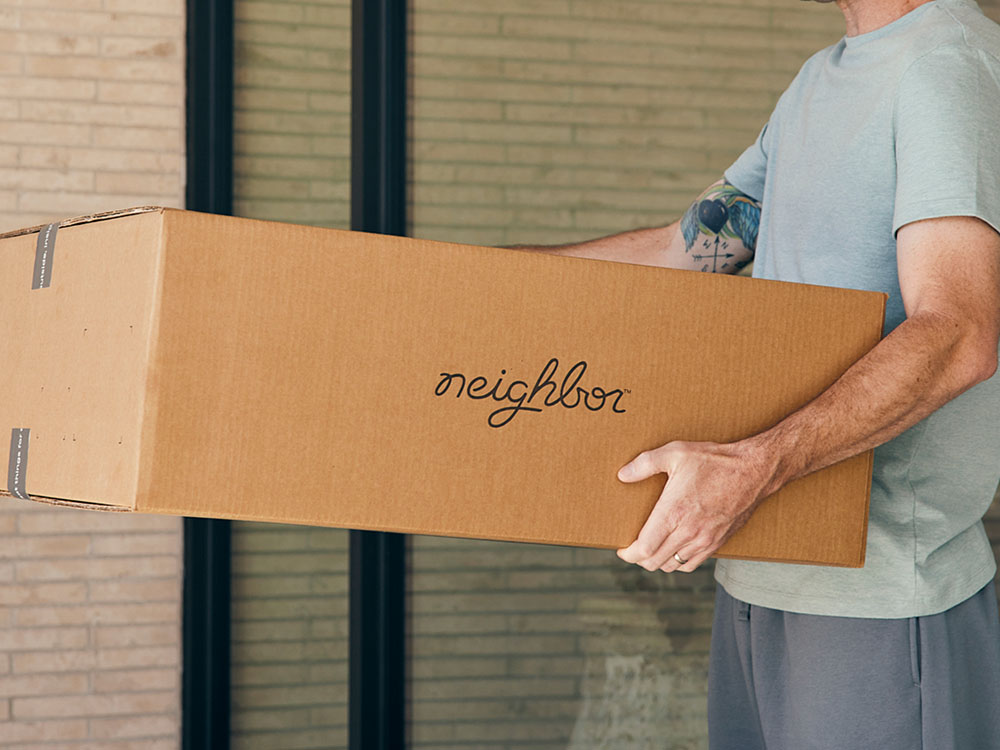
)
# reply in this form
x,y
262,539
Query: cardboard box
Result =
x,y
189,364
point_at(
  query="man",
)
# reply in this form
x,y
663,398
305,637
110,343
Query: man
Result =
x,y
879,169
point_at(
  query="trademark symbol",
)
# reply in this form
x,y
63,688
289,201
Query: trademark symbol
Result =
x,y
627,390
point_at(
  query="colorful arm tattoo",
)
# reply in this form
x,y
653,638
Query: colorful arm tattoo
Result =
x,y
723,214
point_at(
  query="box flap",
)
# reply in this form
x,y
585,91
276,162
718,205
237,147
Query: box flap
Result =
x,y
78,504
86,219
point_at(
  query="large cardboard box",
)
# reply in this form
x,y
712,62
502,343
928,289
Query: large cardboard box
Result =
x,y
163,361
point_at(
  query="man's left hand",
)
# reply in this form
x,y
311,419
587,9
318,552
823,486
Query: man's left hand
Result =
x,y
711,490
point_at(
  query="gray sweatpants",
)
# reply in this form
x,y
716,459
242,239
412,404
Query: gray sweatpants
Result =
x,y
784,681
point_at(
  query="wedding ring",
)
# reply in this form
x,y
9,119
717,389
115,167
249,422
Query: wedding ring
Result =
x,y
678,559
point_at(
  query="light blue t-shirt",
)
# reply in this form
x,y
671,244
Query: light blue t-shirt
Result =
x,y
876,131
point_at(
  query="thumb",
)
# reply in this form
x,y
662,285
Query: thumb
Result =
x,y
641,467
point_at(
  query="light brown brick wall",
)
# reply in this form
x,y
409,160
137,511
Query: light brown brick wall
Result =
x,y
293,62
91,119
289,637
93,107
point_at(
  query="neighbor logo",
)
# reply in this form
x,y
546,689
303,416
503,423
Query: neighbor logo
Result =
x,y
546,392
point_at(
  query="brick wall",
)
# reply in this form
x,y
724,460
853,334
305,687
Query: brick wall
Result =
x,y
93,106
91,119
293,111
290,632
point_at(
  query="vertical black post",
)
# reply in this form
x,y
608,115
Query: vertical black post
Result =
x,y
377,696
378,116
205,700
210,106
205,703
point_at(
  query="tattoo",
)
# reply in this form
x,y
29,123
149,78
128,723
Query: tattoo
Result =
x,y
723,214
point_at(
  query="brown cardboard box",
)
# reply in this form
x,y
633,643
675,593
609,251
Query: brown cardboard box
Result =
x,y
189,364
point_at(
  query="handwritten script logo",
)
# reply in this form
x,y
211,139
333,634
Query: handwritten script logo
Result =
x,y
569,393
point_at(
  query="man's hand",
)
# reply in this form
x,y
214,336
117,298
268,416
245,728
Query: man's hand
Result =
x,y
711,491
949,275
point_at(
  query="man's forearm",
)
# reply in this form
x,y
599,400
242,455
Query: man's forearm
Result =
x,y
647,247
718,234
924,363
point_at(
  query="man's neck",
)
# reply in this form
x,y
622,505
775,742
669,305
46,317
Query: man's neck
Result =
x,y
863,16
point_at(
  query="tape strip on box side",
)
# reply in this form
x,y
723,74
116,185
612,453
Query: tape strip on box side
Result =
x,y
17,463
44,250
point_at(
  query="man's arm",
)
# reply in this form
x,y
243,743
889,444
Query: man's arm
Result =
x,y
718,233
949,274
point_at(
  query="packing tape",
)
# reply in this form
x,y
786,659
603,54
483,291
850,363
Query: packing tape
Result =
x,y
43,256
17,465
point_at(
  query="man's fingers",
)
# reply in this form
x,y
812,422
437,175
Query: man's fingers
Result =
x,y
645,547
658,527
641,467
683,542
674,544
637,551
693,549
692,564
696,510
698,550
655,549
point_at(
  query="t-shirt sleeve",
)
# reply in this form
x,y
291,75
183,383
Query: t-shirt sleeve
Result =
x,y
947,137
747,173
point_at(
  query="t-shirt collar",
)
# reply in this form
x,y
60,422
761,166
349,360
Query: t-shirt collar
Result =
x,y
894,26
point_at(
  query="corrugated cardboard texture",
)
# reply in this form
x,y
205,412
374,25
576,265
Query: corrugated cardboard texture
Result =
x,y
316,376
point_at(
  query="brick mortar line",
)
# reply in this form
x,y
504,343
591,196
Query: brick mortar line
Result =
x,y
60,32
764,67
295,3
651,87
764,32
94,103
122,16
572,8
563,144
506,163
271,24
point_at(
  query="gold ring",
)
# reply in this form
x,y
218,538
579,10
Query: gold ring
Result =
x,y
678,559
